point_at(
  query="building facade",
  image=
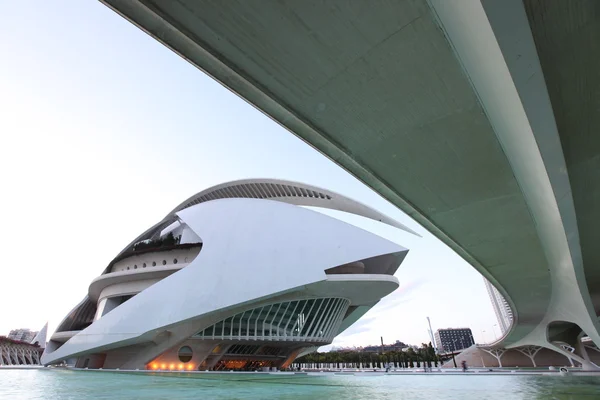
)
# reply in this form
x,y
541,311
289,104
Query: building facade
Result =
x,y
237,277
453,339
503,312
22,335
17,352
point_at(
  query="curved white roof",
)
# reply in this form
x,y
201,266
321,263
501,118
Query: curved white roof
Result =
x,y
290,192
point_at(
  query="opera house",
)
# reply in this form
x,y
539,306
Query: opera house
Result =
x,y
239,276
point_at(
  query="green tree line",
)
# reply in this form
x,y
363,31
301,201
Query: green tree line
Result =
x,y
424,356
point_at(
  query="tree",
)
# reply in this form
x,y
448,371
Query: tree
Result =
x,y
409,358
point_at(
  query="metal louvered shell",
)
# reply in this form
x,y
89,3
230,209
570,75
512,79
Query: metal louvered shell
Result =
x,y
308,320
288,192
259,190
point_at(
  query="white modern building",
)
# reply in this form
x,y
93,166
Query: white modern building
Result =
x,y
238,276
501,307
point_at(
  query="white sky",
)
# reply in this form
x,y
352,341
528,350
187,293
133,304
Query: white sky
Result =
x,y
104,130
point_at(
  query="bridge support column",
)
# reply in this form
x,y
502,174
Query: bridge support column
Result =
x,y
581,349
497,354
530,352
591,346
569,352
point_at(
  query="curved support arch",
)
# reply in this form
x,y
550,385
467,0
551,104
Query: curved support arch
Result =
x,y
494,44
290,192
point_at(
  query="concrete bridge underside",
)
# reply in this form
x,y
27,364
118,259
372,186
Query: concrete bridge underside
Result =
x,y
479,119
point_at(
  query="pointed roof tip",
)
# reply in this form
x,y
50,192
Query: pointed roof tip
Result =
x,y
413,232
40,338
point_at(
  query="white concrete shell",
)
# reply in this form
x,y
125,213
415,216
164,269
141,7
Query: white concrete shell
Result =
x,y
291,193
255,252
277,190
40,338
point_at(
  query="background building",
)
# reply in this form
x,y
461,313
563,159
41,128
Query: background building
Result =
x,y
501,308
16,352
23,335
452,339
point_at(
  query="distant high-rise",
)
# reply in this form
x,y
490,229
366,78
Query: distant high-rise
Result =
x,y
453,339
23,335
501,308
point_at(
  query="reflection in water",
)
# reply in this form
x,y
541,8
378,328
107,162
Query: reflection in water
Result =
x,y
61,384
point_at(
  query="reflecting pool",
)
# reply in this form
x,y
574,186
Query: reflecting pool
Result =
x,y
84,385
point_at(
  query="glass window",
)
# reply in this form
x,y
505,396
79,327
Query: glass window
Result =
x,y
164,262
135,266
144,265
154,263
174,261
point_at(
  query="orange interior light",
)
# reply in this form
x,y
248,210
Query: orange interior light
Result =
x,y
163,366
172,366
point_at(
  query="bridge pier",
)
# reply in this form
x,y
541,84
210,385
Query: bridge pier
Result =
x,y
530,352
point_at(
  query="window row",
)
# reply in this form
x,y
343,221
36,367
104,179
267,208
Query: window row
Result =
x,y
144,265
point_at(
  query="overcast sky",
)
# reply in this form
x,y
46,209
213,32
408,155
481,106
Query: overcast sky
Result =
x,y
104,130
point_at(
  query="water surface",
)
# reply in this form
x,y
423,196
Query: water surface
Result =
x,y
88,385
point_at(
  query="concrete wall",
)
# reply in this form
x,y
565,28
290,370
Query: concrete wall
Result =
x,y
91,361
169,360
116,358
157,259
126,288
